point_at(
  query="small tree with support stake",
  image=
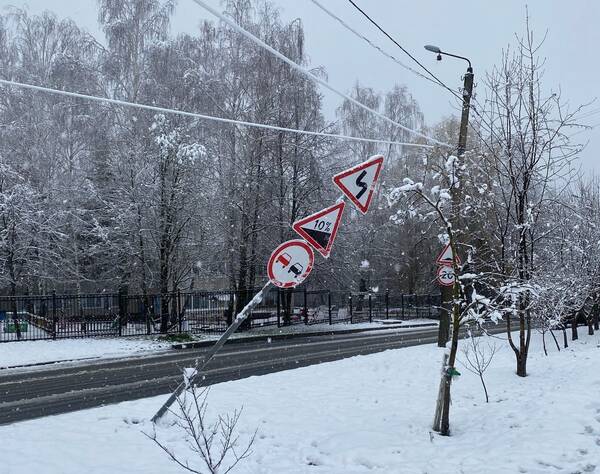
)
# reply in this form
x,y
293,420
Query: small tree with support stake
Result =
x,y
466,305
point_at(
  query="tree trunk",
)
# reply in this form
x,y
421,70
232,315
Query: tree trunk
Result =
x,y
143,278
445,424
544,342
555,340
287,306
164,292
487,398
574,335
522,351
522,365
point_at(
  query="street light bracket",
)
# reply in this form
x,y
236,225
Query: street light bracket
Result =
x,y
439,52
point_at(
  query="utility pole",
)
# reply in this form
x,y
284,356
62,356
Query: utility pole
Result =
x,y
467,92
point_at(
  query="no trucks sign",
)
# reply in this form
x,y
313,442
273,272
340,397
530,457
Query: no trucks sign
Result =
x,y
290,264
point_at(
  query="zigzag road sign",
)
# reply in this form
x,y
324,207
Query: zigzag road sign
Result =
x,y
358,183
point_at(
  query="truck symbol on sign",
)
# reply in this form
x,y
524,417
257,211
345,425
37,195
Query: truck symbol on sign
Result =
x,y
296,269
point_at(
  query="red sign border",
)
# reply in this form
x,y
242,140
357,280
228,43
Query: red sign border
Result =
x,y
447,263
297,226
283,246
437,277
370,162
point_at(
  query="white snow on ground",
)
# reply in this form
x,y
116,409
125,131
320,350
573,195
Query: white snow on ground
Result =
x,y
34,352
367,414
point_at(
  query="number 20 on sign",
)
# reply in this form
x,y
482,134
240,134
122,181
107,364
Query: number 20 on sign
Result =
x,y
445,276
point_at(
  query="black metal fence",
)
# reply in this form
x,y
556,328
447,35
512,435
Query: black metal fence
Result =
x,y
66,316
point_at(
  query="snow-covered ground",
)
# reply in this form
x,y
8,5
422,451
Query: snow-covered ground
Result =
x,y
360,415
35,352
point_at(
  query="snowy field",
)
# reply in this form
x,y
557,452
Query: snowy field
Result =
x,y
367,414
35,352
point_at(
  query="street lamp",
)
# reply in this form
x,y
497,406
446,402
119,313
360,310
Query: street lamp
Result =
x,y
439,52
467,93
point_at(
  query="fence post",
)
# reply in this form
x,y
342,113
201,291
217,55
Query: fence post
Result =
x,y
329,305
429,306
120,316
54,318
402,304
305,308
351,319
387,304
146,309
179,311
278,308
370,310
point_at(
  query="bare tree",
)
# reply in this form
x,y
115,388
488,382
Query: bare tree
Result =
x,y
478,357
215,444
528,155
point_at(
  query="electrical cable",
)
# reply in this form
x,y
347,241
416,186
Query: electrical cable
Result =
x,y
373,45
312,76
203,116
374,23
439,81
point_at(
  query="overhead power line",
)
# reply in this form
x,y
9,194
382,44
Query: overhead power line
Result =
x,y
487,127
203,116
373,45
312,76
374,23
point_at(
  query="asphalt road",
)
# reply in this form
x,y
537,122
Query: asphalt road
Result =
x,y
61,389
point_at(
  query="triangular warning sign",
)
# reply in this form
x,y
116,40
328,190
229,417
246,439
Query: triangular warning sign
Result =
x,y
358,183
445,256
320,229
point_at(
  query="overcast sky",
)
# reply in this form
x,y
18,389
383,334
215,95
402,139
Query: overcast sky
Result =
x,y
473,28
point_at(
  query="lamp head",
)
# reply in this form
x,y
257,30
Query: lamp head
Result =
x,y
433,49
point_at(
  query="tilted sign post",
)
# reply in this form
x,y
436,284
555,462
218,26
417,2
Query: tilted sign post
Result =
x,y
291,263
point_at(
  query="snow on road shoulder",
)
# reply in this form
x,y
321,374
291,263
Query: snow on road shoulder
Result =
x,y
35,352
363,414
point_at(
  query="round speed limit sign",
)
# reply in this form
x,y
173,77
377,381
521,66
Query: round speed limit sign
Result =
x,y
290,263
445,276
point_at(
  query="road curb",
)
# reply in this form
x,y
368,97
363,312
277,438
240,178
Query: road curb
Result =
x,y
238,340
49,362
